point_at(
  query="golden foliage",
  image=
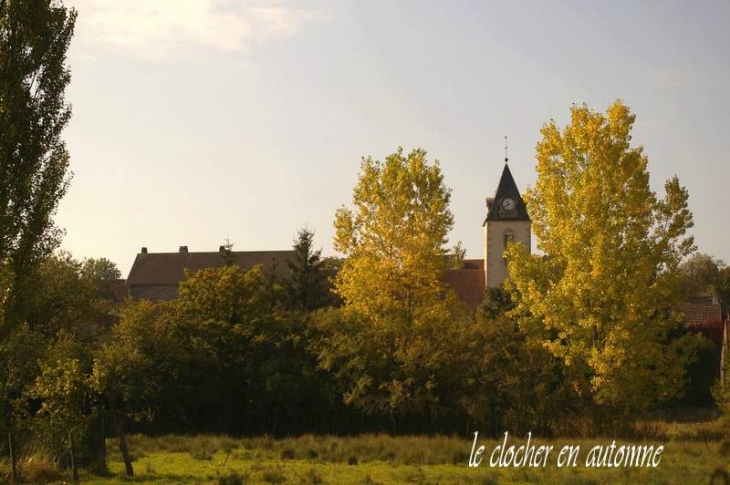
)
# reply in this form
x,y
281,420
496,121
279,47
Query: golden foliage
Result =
x,y
599,296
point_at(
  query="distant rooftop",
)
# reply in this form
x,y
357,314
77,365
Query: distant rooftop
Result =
x,y
159,270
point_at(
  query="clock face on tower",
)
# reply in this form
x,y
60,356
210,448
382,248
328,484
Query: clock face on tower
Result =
x,y
508,204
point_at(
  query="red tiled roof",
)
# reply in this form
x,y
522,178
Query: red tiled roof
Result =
x,y
157,275
157,269
701,312
468,285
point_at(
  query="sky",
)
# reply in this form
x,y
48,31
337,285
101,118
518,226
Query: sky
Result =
x,y
198,121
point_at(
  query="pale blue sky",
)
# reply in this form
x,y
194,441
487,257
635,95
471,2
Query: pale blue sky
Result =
x,y
194,120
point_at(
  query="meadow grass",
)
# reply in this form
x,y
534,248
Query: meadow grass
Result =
x,y
382,459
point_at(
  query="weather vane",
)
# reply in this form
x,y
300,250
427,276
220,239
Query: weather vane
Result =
x,y
506,158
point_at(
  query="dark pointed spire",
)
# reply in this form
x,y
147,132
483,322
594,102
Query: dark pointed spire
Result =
x,y
502,209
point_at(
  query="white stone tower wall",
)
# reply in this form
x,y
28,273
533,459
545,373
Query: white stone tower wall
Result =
x,y
494,247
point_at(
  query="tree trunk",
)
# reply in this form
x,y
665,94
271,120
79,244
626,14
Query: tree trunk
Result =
x,y
103,442
125,453
13,462
123,448
72,455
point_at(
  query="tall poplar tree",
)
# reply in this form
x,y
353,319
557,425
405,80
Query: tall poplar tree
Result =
x,y
34,38
600,295
394,239
385,345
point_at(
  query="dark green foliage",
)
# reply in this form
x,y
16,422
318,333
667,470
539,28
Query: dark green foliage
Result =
x,y
34,38
702,373
224,357
227,358
701,276
100,270
62,293
18,354
724,286
307,286
332,263
100,274
457,256
481,371
496,302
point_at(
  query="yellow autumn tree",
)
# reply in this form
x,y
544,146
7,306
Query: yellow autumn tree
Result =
x,y
600,295
394,239
385,346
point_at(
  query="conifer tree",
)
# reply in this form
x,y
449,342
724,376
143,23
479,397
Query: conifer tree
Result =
x,y
306,284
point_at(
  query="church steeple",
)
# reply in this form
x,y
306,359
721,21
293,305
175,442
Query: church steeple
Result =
x,y
507,220
507,203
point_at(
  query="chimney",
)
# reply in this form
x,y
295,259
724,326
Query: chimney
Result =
x,y
221,249
183,249
143,250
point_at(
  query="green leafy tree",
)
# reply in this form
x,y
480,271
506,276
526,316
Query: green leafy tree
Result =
x,y
63,388
332,263
61,293
100,269
497,301
245,359
387,369
457,256
227,294
34,38
701,275
101,274
599,297
506,381
132,368
217,315
57,296
724,285
19,352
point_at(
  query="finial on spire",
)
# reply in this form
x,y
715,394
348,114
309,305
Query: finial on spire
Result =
x,y
506,158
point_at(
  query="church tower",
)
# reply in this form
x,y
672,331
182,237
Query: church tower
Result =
x,y
506,220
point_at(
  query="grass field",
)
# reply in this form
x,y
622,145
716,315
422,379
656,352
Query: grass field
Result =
x,y
380,459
